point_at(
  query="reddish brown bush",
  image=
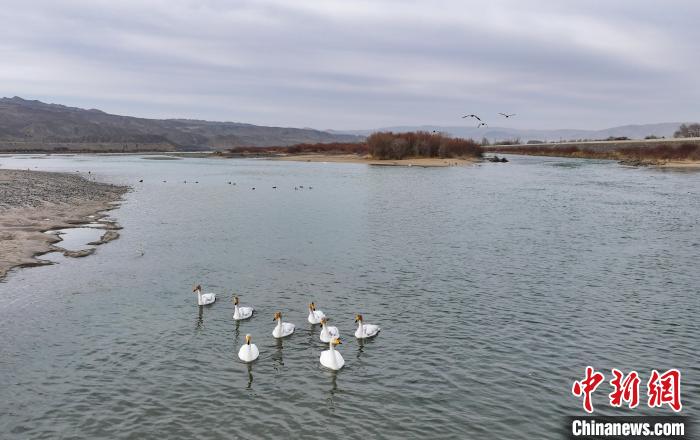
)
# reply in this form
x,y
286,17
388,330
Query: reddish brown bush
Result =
x,y
382,145
388,145
686,151
663,152
332,148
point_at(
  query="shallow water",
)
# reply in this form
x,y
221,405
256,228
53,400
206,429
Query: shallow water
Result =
x,y
495,285
77,239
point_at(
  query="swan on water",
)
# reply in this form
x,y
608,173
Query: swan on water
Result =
x,y
365,330
240,313
282,329
328,332
248,352
331,358
203,298
315,316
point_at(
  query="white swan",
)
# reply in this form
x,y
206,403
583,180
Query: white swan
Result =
x,y
248,352
315,316
282,329
240,313
365,330
203,298
328,332
331,358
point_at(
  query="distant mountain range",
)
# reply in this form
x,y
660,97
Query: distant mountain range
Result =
x,y
503,133
36,126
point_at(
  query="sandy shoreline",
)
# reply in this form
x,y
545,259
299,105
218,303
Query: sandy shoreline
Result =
x,y
32,202
353,158
679,164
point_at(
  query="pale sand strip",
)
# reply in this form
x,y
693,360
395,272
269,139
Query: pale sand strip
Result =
x,y
680,164
353,158
32,202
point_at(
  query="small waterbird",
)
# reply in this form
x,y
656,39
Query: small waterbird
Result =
x,y
506,115
203,298
365,330
315,316
472,116
282,329
328,332
332,358
248,352
241,313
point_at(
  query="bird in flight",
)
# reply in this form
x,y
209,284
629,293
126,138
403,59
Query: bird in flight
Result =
x,y
507,115
482,124
471,116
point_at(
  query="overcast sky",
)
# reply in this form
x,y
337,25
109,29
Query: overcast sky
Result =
x,y
349,65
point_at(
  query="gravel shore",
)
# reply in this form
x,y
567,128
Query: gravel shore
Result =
x,y
32,202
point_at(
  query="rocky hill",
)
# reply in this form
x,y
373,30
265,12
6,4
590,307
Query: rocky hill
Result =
x,y
36,126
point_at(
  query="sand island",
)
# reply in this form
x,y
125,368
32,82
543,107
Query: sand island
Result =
x,y
32,202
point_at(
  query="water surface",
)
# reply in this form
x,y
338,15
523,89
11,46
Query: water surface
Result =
x,y
495,285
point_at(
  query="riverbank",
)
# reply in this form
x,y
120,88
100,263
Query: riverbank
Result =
x,y
32,202
663,153
427,162
690,164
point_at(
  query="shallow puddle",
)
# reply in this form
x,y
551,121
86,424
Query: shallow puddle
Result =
x,y
54,257
77,239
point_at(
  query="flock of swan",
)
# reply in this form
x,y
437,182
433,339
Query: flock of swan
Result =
x,y
330,358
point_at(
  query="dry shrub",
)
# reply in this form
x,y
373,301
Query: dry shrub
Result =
x,y
382,145
663,152
389,145
330,148
686,151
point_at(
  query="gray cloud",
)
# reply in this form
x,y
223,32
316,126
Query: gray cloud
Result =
x,y
340,64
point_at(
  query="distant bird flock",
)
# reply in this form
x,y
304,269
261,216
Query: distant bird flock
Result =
x,y
252,188
484,124
331,358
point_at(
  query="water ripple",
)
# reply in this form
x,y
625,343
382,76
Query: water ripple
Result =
x,y
494,287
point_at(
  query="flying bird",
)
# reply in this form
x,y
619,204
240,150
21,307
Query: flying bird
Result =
x,y
471,116
482,124
506,115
